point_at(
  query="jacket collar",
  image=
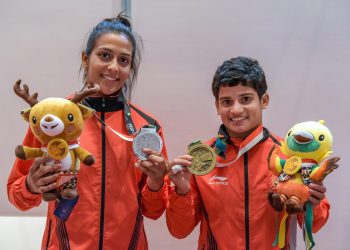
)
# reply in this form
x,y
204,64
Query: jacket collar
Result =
x,y
105,104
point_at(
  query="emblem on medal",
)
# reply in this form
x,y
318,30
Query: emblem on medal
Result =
x,y
292,165
147,137
203,158
57,149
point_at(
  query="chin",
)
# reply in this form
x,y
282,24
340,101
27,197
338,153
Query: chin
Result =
x,y
110,93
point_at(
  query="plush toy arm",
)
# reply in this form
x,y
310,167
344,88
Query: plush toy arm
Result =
x,y
327,166
84,156
275,163
26,153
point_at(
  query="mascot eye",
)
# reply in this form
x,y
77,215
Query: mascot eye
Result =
x,y
321,138
289,133
34,120
70,117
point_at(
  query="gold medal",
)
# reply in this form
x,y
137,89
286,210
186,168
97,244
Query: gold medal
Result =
x,y
203,158
292,165
57,149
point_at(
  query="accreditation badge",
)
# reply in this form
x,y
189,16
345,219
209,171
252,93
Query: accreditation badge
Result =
x,y
203,158
147,137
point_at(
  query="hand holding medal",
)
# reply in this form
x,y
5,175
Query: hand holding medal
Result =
x,y
203,158
200,160
147,146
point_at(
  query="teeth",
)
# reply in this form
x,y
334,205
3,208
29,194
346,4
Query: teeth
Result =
x,y
109,78
237,119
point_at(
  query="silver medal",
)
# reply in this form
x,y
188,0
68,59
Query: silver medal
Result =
x,y
146,138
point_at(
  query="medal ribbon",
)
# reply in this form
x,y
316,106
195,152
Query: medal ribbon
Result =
x,y
253,139
124,137
129,124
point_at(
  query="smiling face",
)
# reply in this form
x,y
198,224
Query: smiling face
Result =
x,y
240,109
109,64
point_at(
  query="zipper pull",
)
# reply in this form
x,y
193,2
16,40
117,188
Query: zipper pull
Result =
x,y
103,102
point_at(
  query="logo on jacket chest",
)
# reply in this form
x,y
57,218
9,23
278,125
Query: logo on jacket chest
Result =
x,y
218,180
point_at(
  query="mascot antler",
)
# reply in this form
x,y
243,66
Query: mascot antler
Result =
x,y
24,93
78,97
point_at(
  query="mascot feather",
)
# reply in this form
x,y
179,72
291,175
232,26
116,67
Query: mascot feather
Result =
x,y
300,159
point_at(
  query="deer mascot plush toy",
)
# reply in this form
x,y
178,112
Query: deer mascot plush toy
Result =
x,y
300,159
57,123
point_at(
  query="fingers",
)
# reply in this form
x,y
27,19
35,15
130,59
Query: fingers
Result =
x,y
184,160
37,163
146,167
317,192
149,151
155,167
48,183
42,177
177,169
155,161
180,164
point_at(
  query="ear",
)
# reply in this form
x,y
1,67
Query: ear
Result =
x,y
217,107
265,99
84,60
25,114
86,111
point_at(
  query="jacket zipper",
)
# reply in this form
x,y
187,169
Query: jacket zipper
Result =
x,y
102,211
246,201
48,235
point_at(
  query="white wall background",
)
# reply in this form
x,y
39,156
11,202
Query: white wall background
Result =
x,y
303,46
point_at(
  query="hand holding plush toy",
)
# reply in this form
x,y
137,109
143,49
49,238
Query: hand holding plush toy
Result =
x,y
57,123
300,159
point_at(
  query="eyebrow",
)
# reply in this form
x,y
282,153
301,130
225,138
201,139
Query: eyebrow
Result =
x,y
245,94
109,50
225,98
229,97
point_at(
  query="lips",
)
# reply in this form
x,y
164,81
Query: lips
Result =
x,y
238,119
110,78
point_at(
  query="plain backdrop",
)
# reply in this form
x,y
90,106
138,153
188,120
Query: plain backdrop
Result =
x,y
303,46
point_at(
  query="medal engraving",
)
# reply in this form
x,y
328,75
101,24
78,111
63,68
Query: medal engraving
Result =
x,y
203,158
57,149
146,138
292,165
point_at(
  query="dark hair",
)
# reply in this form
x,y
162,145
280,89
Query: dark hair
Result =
x,y
240,71
119,25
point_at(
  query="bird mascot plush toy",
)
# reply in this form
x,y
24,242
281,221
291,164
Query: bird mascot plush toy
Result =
x,y
57,123
300,158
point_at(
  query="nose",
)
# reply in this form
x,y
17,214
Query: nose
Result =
x,y
48,119
236,108
113,65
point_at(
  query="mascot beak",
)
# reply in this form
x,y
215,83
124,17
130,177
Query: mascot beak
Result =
x,y
303,137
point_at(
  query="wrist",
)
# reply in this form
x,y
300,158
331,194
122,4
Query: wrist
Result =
x,y
155,185
182,192
28,186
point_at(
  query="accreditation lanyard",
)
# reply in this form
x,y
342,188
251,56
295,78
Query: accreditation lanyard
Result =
x,y
254,138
